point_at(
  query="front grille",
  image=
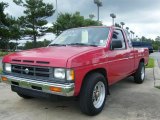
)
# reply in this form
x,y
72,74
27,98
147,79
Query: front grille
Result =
x,y
14,60
31,61
35,72
28,61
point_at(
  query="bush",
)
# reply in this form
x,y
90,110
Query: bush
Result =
x,y
3,53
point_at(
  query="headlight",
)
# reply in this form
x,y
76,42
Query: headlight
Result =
x,y
7,67
61,73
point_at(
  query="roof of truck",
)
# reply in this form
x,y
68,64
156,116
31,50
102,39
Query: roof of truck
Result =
x,y
98,27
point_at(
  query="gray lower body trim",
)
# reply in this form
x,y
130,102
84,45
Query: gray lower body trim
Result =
x,y
66,89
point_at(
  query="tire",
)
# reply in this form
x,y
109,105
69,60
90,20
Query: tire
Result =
x,y
93,94
24,96
139,76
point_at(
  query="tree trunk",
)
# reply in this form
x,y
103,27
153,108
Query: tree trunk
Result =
x,y
34,41
34,35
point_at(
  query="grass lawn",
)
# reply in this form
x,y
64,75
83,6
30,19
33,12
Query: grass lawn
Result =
x,y
150,63
0,70
158,87
4,53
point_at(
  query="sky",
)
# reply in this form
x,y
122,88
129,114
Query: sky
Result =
x,y
141,16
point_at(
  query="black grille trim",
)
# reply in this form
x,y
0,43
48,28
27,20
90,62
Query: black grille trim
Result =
x,y
42,62
28,61
35,72
14,60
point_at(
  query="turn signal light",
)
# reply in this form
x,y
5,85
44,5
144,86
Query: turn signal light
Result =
x,y
4,78
55,89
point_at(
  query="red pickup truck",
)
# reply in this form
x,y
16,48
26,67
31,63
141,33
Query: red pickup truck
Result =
x,y
81,62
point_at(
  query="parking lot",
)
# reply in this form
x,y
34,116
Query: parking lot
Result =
x,y
128,101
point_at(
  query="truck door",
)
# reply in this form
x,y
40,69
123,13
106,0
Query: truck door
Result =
x,y
131,55
119,64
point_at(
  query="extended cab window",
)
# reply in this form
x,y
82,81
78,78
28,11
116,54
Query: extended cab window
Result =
x,y
118,35
128,38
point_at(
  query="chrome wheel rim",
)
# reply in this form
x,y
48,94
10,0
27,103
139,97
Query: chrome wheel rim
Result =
x,y
98,94
142,73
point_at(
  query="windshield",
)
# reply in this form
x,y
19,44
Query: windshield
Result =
x,y
83,36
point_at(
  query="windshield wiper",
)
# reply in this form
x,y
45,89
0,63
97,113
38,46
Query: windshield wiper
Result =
x,y
78,44
57,45
82,44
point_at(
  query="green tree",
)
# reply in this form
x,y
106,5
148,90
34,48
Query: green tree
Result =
x,y
30,45
158,38
90,22
4,32
8,27
66,21
36,12
155,43
2,15
144,39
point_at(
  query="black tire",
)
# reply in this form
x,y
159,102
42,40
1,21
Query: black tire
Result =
x,y
138,77
24,96
86,96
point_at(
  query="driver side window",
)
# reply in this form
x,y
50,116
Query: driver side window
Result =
x,y
118,36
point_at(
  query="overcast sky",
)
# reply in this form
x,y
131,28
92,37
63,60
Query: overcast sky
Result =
x,y
141,16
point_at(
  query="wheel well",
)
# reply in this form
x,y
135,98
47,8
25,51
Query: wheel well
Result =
x,y
98,70
142,60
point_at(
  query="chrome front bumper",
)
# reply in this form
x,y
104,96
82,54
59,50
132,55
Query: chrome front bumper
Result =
x,y
66,89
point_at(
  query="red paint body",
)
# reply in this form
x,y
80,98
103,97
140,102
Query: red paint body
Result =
x,y
118,64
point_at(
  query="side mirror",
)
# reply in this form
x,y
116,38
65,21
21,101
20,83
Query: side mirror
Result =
x,y
116,44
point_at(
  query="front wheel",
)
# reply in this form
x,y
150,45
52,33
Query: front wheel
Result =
x,y
93,94
140,73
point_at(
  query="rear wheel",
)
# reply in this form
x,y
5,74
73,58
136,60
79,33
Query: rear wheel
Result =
x,y
24,96
139,76
93,94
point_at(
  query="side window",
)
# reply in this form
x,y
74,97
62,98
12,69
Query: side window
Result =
x,y
118,35
128,38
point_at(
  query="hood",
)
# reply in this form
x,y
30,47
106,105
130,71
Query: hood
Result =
x,y
55,56
92,57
